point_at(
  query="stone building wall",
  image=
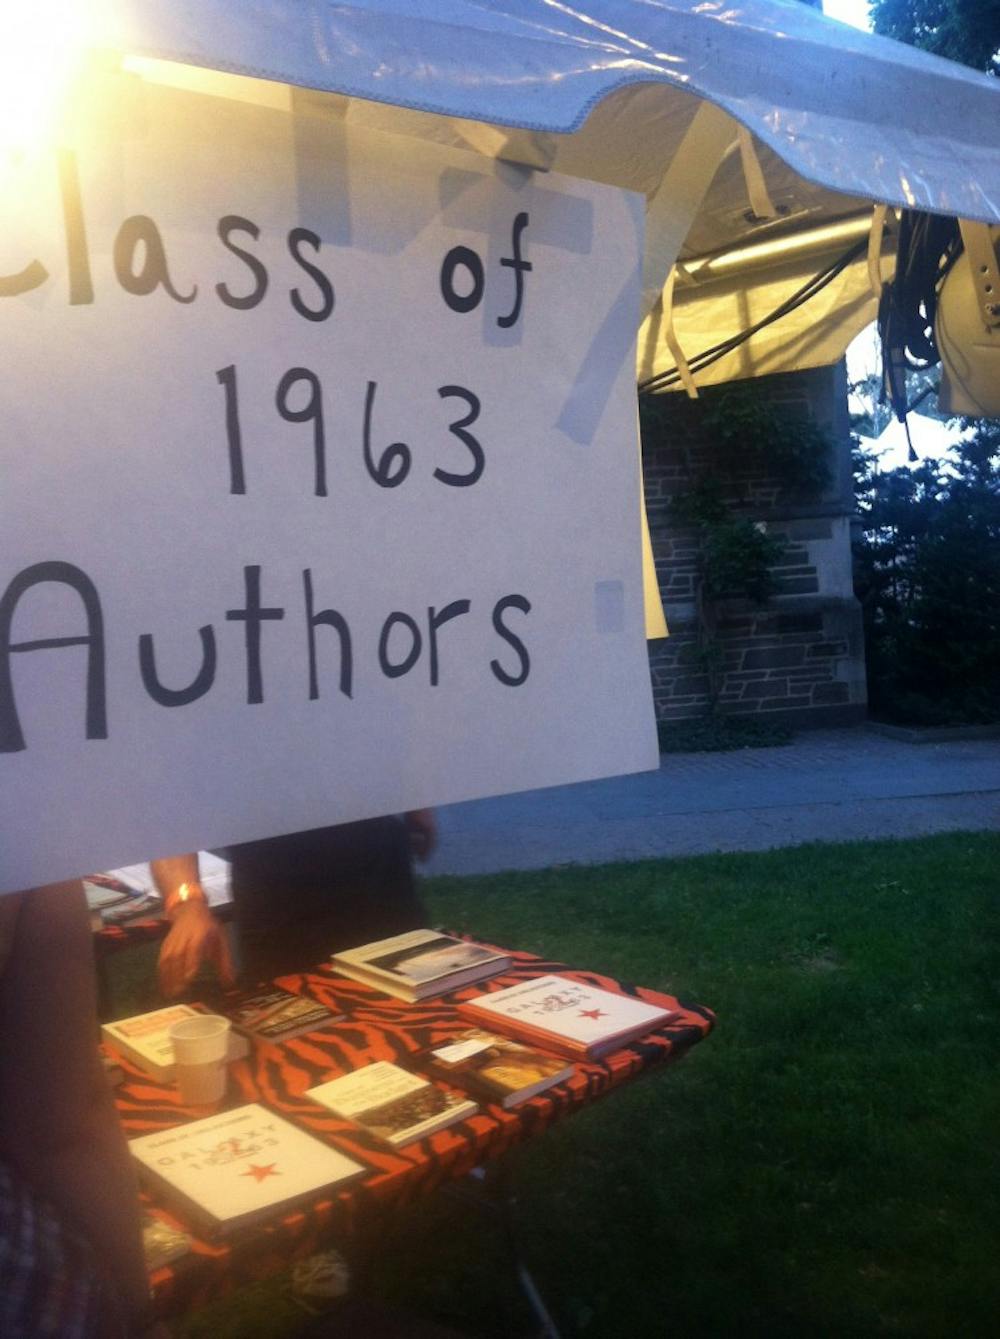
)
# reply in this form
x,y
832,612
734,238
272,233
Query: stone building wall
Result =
x,y
798,659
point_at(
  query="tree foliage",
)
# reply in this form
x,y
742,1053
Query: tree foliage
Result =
x,y
927,572
967,31
749,432
928,565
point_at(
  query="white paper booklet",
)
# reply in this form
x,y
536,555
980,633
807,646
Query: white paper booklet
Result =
x,y
231,1169
566,1016
392,1103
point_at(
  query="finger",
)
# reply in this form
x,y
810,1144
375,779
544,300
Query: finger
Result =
x,y
168,976
189,965
223,959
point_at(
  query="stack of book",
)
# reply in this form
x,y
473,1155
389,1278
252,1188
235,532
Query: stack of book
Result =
x,y
420,964
145,1040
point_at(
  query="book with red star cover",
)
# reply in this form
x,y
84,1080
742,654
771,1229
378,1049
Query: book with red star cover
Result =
x,y
235,1168
498,1068
145,1039
391,1103
565,1016
420,964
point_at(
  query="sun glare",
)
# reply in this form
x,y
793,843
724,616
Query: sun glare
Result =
x,y
41,44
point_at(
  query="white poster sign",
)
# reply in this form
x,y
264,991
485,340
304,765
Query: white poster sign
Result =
x,y
319,482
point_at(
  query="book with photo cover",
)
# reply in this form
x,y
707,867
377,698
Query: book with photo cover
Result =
x,y
102,892
229,1170
145,1039
498,1068
274,1015
565,1016
392,1103
420,964
113,901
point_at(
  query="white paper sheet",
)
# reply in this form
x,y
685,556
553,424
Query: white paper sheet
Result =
x,y
359,627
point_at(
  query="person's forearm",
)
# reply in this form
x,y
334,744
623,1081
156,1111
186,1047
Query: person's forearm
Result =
x,y
177,880
195,936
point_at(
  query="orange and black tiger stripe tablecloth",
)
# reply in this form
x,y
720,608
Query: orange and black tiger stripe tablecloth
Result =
x,y
377,1027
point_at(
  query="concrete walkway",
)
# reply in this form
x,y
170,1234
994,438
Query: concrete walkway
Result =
x,y
830,785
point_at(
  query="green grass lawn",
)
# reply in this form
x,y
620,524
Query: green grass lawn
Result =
x,y
824,1164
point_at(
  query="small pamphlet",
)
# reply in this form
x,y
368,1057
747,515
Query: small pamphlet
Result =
x,y
235,1168
145,1039
162,1243
392,1103
498,1068
420,964
565,1016
275,1015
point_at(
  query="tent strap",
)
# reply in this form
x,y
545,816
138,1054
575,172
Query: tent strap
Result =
x,y
875,248
672,208
670,337
760,201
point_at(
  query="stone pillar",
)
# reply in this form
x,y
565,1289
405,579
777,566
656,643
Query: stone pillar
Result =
x,y
799,659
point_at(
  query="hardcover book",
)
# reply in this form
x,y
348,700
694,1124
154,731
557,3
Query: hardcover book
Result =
x,y
565,1016
235,1168
145,1039
420,964
275,1015
391,1103
498,1068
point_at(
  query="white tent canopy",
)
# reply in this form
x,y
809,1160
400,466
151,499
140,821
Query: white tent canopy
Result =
x,y
858,114
759,123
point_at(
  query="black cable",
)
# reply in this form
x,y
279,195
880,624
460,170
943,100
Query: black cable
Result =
x,y
928,247
671,376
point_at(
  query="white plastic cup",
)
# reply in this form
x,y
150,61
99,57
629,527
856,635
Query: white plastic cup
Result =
x,y
201,1050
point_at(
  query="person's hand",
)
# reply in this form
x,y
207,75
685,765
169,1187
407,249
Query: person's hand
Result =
x,y
422,828
195,937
